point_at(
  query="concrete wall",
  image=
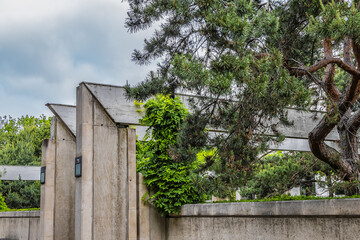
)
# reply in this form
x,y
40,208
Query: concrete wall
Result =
x,y
105,195
57,201
22,172
151,225
123,111
20,225
317,219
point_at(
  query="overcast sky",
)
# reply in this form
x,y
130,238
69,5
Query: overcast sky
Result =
x,y
48,47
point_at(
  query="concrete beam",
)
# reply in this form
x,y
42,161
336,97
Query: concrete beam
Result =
x,y
22,172
124,111
297,144
66,114
304,208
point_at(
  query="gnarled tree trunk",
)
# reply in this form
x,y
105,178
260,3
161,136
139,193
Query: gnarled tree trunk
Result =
x,y
346,159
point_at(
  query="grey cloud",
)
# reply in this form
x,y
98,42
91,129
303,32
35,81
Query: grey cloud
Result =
x,y
42,59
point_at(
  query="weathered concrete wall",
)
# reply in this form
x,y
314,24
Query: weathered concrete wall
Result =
x,y
151,224
22,172
20,225
58,193
318,219
105,198
123,111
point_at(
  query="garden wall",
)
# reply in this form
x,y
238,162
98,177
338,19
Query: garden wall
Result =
x,y
20,225
311,219
105,197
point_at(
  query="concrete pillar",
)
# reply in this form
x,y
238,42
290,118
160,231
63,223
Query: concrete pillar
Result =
x,y
47,199
57,194
105,199
151,225
64,184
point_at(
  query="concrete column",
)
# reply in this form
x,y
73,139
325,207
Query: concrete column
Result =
x,y
84,149
144,211
151,225
57,194
47,199
106,206
64,184
132,181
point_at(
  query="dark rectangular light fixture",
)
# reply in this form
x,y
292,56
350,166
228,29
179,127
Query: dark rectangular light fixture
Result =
x,y
78,166
42,175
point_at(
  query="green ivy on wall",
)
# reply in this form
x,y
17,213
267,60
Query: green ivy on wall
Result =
x,y
167,180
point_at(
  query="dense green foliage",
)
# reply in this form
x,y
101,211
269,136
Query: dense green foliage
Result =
x,y
3,205
20,140
166,178
279,172
274,175
218,49
250,60
217,180
20,144
21,194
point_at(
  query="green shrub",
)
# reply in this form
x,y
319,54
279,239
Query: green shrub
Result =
x,y
3,205
167,179
21,194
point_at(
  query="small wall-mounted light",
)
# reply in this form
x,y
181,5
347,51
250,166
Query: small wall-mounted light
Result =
x,y
78,167
42,175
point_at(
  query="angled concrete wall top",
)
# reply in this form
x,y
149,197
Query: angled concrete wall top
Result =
x,y
66,114
124,112
114,101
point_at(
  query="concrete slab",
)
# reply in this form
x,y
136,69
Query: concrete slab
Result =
x,y
66,114
22,172
123,111
305,208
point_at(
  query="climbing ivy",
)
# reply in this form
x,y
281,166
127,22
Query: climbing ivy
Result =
x,y
167,179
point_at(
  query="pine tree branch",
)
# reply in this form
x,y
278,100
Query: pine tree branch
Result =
x,y
325,152
338,62
328,79
356,50
351,94
354,122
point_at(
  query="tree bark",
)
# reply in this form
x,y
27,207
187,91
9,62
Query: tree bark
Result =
x,y
347,160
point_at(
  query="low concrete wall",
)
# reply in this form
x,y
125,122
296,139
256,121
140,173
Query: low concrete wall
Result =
x,y
20,225
317,219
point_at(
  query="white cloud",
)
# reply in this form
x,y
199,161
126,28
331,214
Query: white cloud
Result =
x,y
48,47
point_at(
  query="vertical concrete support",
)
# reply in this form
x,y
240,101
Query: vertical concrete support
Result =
x,y
47,199
132,181
151,224
106,206
64,184
57,194
84,149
